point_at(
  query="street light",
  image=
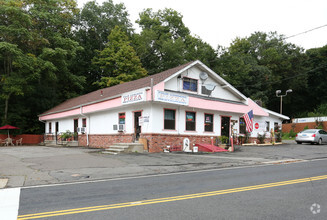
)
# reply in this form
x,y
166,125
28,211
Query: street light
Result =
x,y
281,97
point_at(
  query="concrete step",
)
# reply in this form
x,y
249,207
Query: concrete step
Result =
x,y
124,148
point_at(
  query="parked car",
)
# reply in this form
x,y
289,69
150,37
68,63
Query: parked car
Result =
x,y
312,136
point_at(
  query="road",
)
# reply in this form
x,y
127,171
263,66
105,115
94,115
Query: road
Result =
x,y
295,190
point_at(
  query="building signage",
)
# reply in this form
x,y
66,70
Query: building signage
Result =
x,y
133,97
144,119
169,97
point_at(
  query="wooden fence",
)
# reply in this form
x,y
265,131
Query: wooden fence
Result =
x,y
28,139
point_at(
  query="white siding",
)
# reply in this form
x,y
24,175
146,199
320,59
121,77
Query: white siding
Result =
x,y
176,84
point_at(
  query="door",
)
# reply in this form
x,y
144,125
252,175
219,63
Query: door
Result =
x,y
57,127
137,127
75,125
225,126
75,129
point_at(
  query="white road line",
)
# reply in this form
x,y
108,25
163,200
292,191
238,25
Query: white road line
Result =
x,y
9,203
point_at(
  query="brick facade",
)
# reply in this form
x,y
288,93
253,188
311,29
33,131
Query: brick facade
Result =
x,y
297,127
104,140
156,142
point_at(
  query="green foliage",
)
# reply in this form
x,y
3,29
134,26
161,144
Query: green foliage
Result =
x,y
94,23
261,138
292,133
278,136
118,60
223,140
306,127
321,110
260,64
165,42
66,135
247,137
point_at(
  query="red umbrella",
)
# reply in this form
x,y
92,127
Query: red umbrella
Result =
x,y
8,127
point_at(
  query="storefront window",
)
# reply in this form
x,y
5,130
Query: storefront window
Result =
x,y
208,122
169,121
242,126
122,118
190,121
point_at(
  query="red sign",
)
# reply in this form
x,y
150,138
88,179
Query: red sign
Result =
x,y
256,125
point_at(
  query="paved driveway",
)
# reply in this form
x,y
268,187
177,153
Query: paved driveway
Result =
x,y
35,165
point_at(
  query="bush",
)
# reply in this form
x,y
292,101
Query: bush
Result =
x,y
247,137
223,139
261,138
64,136
292,133
278,136
306,127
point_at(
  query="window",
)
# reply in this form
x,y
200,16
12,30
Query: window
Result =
x,y
276,127
84,122
190,121
169,120
122,118
208,122
267,126
190,84
242,126
50,128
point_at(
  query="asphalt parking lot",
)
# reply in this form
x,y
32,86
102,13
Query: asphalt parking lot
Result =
x,y
38,165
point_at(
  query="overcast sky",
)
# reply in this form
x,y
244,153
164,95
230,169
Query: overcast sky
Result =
x,y
219,22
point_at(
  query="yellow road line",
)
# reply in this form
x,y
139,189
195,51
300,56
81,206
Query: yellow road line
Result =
x,y
168,199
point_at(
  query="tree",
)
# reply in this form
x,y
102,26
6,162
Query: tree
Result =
x,y
93,25
317,76
37,54
118,60
165,42
263,63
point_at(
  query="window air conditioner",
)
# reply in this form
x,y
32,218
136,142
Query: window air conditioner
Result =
x,y
81,130
121,127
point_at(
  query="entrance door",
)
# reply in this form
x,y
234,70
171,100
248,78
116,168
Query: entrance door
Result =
x,y
75,129
225,125
57,127
75,125
137,127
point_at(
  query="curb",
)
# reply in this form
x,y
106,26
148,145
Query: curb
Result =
x,y
3,183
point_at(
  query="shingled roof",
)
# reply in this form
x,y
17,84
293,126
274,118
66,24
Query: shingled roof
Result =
x,y
113,91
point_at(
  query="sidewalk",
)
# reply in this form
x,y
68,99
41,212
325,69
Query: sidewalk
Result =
x,y
37,165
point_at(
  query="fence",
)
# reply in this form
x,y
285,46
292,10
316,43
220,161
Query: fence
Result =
x,y
297,127
28,139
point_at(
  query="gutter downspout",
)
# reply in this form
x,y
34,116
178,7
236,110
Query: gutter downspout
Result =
x,y
151,89
87,132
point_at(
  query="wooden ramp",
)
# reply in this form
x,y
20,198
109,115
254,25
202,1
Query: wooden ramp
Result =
x,y
209,148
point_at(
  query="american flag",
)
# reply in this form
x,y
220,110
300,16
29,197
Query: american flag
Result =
x,y
248,118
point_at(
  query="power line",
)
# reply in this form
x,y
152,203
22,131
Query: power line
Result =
x,y
280,80
313,29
